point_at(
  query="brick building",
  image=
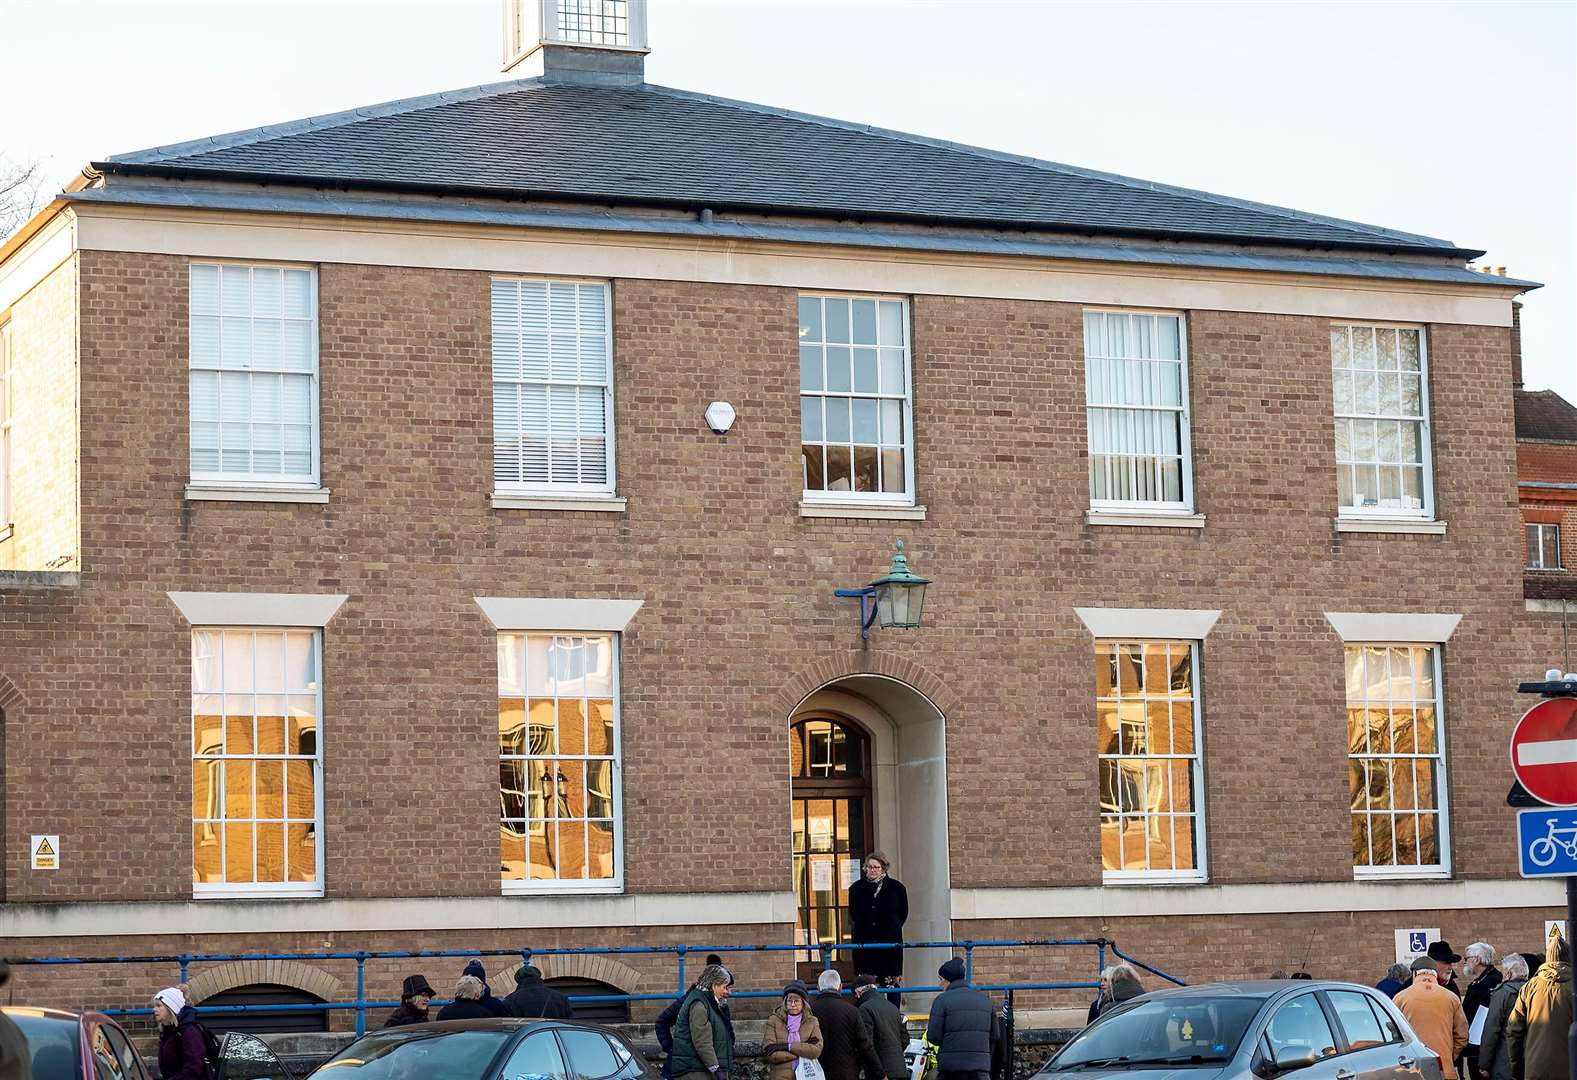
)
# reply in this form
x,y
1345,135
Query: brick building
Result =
x,y
374,578
1547,492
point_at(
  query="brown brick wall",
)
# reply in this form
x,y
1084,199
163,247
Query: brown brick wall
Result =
x,y
738,589
44,425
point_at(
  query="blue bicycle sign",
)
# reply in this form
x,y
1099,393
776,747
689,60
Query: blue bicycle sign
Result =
x,y
1547,842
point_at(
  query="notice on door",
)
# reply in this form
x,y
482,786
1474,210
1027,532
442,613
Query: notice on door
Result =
x,y
849,871
46,852
821,876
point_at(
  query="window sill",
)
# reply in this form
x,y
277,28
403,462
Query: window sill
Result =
x,y
1141,519
1147,880
6,532
868,511
1525,569
606,504
1415,526
242,892
200,493
1419,873
543,891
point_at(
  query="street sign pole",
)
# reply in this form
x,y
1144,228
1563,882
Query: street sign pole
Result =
x,y
1563,688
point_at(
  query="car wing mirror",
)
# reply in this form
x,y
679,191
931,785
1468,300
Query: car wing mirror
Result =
x,y
1293,1059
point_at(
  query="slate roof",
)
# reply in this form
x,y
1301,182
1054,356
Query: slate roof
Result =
x,y
1545,415
651,145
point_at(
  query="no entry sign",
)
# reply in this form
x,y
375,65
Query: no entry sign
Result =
x,y
1544,751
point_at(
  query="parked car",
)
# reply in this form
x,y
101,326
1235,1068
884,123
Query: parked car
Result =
x,y
492,1049
1252,1031
77,1046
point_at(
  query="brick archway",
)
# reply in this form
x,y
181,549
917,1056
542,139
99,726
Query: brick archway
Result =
x,y
290,973
603,969
841,665
11,698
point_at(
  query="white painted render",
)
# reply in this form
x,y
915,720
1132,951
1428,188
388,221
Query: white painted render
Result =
x,y
554,613
1392,626
1171,624
257,609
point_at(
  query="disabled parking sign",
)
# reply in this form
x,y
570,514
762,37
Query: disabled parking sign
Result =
x,y
1547,842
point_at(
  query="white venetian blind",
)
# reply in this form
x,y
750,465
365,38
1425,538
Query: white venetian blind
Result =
x,y
253,361
552,386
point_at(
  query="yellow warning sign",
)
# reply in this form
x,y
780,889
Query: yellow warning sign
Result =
x,y
46,852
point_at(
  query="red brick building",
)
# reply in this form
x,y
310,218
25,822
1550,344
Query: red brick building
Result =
x,y
376,576
1547,492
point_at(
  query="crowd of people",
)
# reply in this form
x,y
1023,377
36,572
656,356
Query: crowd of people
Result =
x,y
1509,1023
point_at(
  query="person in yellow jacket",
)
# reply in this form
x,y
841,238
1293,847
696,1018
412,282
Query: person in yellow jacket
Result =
x,y
1436,1014
1537,1027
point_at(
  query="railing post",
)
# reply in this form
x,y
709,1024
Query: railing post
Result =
x,y
683,989
361,995
969,962
826,955
1100,960
183,971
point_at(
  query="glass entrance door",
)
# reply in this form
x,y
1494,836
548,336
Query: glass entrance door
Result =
x,y
832,831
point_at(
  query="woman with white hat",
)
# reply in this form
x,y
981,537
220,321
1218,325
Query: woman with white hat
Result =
x,y
182,1048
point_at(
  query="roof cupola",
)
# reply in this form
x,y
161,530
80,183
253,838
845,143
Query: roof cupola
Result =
x,y
600,42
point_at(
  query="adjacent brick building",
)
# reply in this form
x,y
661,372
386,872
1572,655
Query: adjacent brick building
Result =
x,y
1547,492
366,457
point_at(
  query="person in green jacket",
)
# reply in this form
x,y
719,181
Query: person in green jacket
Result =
x,y
884,1023
703,1041
1536,1030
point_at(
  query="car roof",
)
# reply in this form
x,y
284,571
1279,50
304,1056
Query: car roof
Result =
x,y
489,1023
45,1013
1252,988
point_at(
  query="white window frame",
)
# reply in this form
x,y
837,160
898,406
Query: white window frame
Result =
x,y
267,890
260,481
1536,548
906,407
1201,871
1185,410
1425,432
1441,758
599,886
551,489
7,411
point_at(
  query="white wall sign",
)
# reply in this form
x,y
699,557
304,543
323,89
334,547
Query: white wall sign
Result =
x,y
1414,942
46,852
821,876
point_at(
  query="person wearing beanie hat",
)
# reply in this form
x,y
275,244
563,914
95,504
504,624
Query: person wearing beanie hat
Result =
x,y
532,997
793,1034
963,1026
494,1006
415,995
1435,1013
1536,1030
182,1049
703,1040
884,1023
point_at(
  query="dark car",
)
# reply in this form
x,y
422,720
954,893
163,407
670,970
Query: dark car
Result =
x,y
77,1046
493,1049
1249,1030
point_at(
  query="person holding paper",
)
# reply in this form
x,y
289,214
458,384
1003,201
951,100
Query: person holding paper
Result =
x,y
1478,966
1494,1058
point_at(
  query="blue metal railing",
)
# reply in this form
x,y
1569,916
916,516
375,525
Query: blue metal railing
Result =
x,y
680,952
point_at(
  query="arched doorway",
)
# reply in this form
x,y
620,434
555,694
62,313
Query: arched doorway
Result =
x,y
882,747
833,827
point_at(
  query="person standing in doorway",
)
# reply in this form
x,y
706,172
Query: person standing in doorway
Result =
x,y
963,1027
878,908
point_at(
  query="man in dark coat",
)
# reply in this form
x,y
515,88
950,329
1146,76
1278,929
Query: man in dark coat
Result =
x,y
1478,965
884,1024
878,908
414,997
495,1006
963,1027
533,998
846,1045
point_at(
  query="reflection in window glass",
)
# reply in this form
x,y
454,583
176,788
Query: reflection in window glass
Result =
x,y
1357,1019
1300,1026
854,397
1147,748
1395,764
557,754
256,700
1544,546
1379,376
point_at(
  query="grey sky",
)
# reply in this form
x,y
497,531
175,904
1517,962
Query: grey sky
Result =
x,y
1455,120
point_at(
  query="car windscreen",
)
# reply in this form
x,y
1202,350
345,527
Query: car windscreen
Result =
x,y
1170,1030
53,1043
417,1055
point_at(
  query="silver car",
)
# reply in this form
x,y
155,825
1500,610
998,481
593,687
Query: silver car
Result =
x,y
1251,1031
